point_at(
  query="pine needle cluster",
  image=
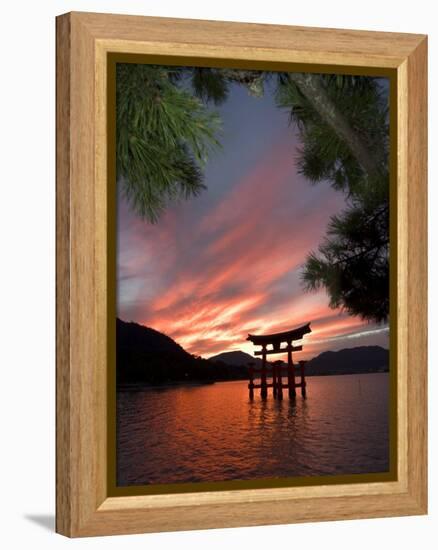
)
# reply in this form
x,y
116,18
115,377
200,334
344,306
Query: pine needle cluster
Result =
x,y
164,134
352,262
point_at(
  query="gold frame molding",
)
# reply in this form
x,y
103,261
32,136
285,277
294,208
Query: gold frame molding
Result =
x,y
85,42
112,490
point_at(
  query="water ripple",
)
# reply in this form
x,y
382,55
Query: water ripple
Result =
x,y
214,433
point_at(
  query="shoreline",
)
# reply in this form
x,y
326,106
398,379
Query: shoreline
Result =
x,y
142,386
139,386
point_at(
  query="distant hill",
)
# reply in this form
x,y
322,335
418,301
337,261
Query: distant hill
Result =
x,y
359,360
235,358
132,336
146,356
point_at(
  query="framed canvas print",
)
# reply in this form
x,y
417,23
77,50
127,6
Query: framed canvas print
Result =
x,y
241,274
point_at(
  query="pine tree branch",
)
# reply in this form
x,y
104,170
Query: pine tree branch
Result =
x,y
375,248
310,85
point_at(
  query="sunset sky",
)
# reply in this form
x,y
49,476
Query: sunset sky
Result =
x,y
228,263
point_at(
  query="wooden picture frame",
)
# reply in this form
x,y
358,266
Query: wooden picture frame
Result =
x,y
84,42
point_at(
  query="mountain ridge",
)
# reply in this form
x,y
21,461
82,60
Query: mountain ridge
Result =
x,y
147,356
235,358
360,359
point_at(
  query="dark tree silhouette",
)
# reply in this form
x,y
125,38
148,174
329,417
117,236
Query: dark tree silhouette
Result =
x,y
164,134
344,129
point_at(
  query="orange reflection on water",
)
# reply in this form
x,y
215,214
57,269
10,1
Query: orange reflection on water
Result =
x,y
215,433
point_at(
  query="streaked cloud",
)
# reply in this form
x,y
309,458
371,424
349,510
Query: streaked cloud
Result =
x,y
227,263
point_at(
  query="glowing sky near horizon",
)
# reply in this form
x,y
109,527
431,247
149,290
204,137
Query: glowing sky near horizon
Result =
x,y
228,263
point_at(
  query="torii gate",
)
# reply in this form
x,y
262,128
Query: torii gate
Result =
x,y
275,340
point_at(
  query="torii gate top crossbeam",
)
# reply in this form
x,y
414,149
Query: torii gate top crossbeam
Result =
x,y
279,337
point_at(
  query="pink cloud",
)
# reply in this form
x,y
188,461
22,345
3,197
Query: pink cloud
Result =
x,y
207,280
